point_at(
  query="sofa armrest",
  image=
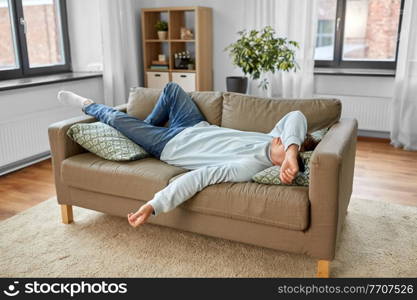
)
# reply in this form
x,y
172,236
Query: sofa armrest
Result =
x,y
331,179
62,146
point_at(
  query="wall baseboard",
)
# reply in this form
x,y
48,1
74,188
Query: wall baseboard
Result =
x,y
374,134
24,163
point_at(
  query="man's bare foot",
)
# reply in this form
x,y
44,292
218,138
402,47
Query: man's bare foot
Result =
x,y
141,216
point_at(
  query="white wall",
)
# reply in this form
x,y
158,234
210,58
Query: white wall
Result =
x,y
28,112
20,103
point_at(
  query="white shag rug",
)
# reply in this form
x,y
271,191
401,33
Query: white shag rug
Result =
x,y
378,240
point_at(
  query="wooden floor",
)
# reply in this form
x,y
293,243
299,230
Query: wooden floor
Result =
x,y
381,173
385,173
25,188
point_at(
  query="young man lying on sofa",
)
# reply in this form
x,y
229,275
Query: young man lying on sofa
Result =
x,y
214,154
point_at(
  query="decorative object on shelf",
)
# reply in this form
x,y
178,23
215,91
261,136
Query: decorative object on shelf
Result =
x,y
162,29
257,53
182,59
186,34
160,64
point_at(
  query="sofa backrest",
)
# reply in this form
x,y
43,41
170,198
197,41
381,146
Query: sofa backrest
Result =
x,y
142,100
250,113
243,112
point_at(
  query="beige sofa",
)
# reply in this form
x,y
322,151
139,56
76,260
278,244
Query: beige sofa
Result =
x,y
305,220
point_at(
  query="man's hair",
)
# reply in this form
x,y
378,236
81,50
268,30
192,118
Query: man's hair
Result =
x,y
309,144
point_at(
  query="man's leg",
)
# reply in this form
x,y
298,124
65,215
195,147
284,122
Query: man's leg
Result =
x,y
152,138
175,105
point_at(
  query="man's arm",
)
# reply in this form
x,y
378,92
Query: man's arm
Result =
x,y
292,129
194,181
289,168
189,184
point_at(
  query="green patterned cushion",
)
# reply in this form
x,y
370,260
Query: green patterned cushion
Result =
x,y
105,141
271,175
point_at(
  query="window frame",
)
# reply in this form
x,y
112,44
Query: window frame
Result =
x,y
338,62
24,69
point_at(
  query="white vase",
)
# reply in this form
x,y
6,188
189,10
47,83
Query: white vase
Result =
x,y
268,91
162,35
265,92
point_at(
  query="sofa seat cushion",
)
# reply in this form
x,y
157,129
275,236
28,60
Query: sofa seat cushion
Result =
x,y
139,179
282,206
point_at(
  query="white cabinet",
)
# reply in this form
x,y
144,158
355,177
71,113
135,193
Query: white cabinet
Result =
x,y
185,80
157,80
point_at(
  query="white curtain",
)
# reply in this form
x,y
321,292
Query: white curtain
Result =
x,y
120,49
295,20
404,104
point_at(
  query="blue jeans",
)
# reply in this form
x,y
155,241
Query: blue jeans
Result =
x,y
174,105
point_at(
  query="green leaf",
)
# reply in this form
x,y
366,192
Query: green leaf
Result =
x,y
257,52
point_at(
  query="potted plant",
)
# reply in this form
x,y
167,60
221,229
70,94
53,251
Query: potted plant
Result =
x,y
162,29
191,64
258,52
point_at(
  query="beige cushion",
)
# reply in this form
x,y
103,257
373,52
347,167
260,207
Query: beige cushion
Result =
x,y
260,114
210,104
139,179
283,206
142,100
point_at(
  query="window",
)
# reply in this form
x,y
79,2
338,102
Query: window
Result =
x,y
358,33
33,38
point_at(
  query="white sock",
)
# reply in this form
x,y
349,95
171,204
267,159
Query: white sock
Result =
x,y
70,98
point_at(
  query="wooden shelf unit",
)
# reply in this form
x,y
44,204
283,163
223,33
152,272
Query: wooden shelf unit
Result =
x,y
171,70
197,18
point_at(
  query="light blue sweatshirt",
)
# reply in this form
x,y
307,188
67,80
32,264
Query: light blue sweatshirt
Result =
x,y
217,154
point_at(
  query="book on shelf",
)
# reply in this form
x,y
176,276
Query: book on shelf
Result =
x,y
159,67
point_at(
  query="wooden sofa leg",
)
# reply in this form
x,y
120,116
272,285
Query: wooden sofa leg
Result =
x,y
323,268
66,214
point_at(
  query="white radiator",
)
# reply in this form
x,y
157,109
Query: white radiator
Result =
x,y
25,137
372,113
366,99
